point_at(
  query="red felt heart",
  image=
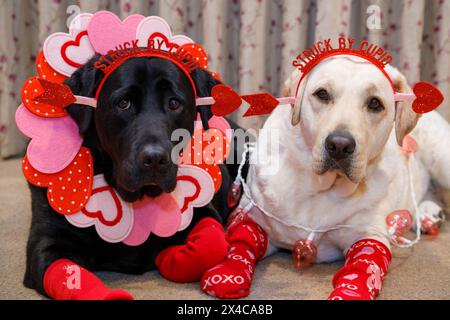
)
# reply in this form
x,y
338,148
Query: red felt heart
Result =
x,y
428,97
226,100
210,147
45,98
68,190
198,54
46,72
206,150
68,44
99,213
192,197
260,104
215,173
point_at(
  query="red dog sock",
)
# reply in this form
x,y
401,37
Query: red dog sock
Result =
x,y
365,267
232,278
205,246
65,280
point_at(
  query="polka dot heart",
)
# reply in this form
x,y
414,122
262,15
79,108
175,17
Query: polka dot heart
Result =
x,y
68,190
206,147
46,72
45,98
198,54
215,173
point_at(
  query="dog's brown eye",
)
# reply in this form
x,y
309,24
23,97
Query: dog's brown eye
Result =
x,y
323,95
174,104
375,105
124,104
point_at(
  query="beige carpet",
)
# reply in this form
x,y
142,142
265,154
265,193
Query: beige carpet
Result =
x,y
419,273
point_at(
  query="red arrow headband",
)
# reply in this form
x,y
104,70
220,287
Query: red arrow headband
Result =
x,y
425,97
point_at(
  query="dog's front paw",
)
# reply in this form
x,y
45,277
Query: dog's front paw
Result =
x,y
104,293
232,278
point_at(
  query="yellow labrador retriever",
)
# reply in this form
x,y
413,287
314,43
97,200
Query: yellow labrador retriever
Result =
x,y
338,166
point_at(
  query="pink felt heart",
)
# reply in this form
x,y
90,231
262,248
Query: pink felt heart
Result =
x,y
106,31
160,216
54,141
428,97
66,52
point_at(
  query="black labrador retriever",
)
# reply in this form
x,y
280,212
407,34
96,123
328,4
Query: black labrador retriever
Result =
x,y
129,135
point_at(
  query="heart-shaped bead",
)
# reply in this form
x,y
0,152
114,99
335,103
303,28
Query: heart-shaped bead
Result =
x,y
68,190
400,220
304,254
226,100
234,194
428,97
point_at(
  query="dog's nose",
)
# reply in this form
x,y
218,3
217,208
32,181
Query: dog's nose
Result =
x,y
340,145
154,158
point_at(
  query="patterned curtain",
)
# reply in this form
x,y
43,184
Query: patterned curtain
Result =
x,y
251,43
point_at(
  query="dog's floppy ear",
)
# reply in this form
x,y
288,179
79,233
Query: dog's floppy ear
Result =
x,y
405,118
84,82
290,86
204,82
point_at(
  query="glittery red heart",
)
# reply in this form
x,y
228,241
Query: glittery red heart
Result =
x,y
68,190
226,100
198,54
428,97
45,98
260,104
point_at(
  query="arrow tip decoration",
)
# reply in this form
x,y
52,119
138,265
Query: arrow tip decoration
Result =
x,y
260,104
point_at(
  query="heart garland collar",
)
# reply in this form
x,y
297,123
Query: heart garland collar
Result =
x,y
57,160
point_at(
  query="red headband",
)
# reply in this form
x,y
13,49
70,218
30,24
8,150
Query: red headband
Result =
x,y
181,56
426,96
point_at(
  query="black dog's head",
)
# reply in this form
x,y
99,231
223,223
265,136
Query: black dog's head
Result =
x,y
140,104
